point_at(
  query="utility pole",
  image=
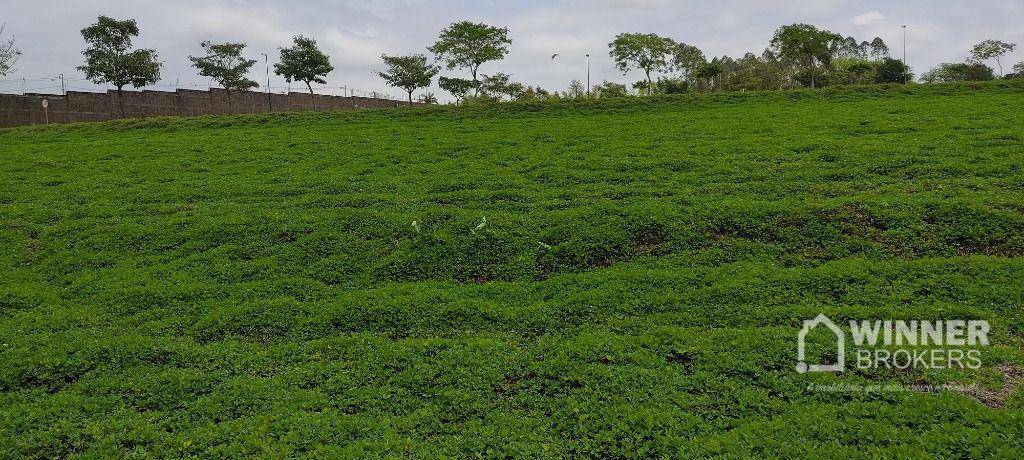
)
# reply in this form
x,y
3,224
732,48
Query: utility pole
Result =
x,y
63,89
269,100
588,75
906,69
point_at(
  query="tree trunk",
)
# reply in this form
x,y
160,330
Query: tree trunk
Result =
x,y
120,100
311,96
650,85
228,92
476,84
410,98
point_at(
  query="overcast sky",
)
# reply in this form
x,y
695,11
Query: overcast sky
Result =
x,y
354,33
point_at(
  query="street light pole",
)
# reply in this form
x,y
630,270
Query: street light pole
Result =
x,y
906,69
270,101
588,75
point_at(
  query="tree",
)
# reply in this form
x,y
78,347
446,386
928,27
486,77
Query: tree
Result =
x,y
576,90
849,48
458,87
225,65
854,71
707,73
807,45
879,50
610,89
992,49
109,57
892,71
468,45
304,62
8,53
534,94
948,73
1019,67
499,86
686,59
408,72
647,52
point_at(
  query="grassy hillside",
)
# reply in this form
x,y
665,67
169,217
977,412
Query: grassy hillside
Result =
x,y
615,278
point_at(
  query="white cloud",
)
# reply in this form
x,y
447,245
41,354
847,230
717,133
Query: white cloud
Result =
x,y
867,18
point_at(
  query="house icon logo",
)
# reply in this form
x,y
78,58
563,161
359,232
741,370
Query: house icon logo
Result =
x,y
809,325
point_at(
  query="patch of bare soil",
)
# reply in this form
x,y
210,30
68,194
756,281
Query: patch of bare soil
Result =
x,y
1013,376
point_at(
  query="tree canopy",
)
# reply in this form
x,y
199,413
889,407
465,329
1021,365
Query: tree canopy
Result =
x,y
458,87
686,59
647,52
992,49
408,72
892,71
224,63
468,45
807,45
109,58
304,62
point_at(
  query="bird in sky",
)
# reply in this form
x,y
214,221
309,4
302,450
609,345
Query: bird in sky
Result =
x,y
554,55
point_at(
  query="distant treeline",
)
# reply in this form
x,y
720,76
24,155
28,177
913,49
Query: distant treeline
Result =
x,y
798,55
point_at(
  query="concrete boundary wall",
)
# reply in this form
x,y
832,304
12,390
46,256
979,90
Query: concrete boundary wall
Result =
x,y
76,106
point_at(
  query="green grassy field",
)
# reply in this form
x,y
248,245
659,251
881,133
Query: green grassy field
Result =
x,y
620,278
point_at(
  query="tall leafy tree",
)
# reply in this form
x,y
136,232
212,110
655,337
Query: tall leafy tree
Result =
x,y
408,72
992,49
849,48
707,72
807,45
686,59
224,63
110,59
879,50
8,53
304,62
468,45
647,52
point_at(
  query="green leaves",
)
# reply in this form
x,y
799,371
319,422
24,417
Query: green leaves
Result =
x,y
647,52
467,45
808,45
408,72
224,63
109,59
304,62
613,278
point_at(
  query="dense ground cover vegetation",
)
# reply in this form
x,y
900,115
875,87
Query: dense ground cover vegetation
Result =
x,y
585,278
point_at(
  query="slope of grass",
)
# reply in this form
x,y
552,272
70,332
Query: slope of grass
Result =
x,y
609,279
